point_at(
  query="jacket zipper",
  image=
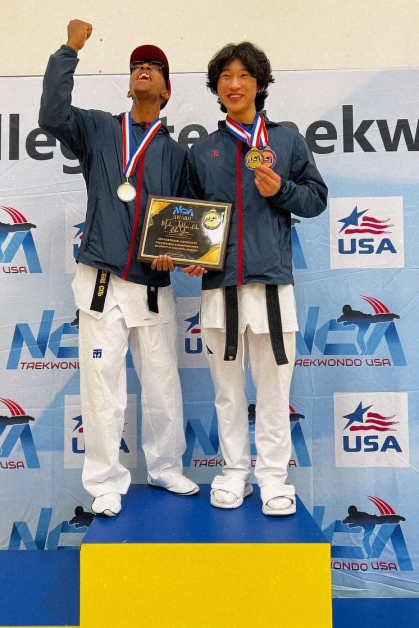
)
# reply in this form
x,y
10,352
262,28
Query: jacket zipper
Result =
x,y
239,215
137,216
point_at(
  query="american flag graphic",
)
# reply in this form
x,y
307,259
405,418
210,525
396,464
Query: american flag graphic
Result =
x,y
371,225
376,422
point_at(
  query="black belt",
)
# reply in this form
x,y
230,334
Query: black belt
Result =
x,y
274,322
101,290
152,294
232,322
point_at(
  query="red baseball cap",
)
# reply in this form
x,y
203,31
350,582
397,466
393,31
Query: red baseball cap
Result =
x,y
152,53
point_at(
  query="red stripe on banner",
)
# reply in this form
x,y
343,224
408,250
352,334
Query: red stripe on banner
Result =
x,y
19,411
375,224
8,405
137,215
375,415
12,214
14,408
383,308
20,216
381,508
378,307
375,219
387,509
383,423
369,230
366,428
239,215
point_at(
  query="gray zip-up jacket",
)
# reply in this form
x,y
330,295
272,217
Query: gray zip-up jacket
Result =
x,y
112,232
259,246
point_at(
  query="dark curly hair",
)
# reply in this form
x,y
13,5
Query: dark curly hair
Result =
x,y
254,60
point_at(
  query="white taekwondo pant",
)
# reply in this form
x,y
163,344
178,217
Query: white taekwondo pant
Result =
x,y
272,383
104,398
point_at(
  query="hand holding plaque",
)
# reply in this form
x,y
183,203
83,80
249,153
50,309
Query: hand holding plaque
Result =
x,y
189,231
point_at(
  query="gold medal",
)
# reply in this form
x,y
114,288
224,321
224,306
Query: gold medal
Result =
x,y
126,192
253,158
269,157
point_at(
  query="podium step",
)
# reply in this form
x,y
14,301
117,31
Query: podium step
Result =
x,y
169,561
39,588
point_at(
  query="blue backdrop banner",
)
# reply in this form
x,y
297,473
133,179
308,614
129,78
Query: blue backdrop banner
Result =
x,y
354,398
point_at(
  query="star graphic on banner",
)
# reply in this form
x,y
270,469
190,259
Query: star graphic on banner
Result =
x,y
352,219
358,415
79,420
80,228
194,320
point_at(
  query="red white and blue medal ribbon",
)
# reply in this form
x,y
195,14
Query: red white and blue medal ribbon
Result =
x,y
257,139
126,192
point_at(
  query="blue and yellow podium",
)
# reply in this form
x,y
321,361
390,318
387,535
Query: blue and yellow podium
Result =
x,y
176,562
168,561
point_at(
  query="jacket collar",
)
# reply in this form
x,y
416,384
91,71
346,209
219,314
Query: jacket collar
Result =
x,y
163,129
223,127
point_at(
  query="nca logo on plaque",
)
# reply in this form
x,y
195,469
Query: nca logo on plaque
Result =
x,y
366,232
371,429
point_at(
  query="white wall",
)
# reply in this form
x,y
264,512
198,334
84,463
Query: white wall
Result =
x,y
296,34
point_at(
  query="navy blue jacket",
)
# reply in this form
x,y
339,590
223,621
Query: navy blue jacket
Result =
x,y
259,246
112,232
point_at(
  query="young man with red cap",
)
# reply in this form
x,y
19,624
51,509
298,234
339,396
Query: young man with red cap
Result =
x,y
123,158
268,172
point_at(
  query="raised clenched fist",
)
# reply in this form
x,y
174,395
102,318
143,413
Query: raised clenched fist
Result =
x,y
78,33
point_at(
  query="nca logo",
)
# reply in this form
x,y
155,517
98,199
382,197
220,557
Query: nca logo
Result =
x,y
44,538
74,434
45,338
75,215
298,258
15,239
16,438
366,232
191,350
372,537
369,333
197,434
371,429
300,455
184,211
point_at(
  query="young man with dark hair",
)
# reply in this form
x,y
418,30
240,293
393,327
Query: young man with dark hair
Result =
x,y
123,159
268,172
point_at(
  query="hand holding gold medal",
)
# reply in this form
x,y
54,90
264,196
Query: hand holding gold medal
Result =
x,y
267,181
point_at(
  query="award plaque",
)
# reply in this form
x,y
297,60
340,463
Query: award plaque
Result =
x,y
190,231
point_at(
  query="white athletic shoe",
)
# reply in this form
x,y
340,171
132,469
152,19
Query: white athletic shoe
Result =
x,y
108,505
178,484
